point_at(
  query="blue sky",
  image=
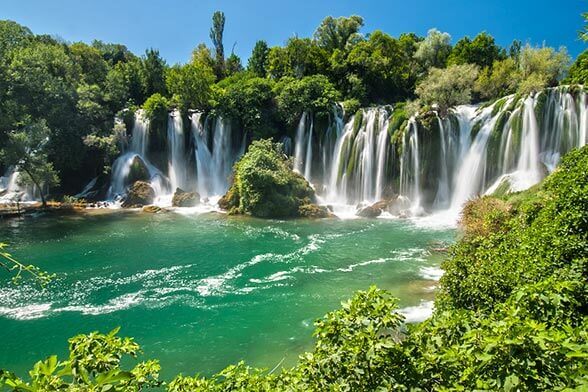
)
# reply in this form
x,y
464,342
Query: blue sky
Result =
x,y
175,27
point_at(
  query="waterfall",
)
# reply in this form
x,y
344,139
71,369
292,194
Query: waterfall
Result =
x,y
430,163
215,152
135,158
303,146
359,161
11,190
177,165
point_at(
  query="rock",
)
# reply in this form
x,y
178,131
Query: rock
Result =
x,y
185,199
369,212
400,206
382,204
151,209
138,171
141,193
314,211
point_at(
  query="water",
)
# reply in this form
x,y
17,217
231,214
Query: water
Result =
x,y
200,292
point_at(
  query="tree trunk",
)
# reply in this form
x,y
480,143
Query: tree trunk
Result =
x,y
43,201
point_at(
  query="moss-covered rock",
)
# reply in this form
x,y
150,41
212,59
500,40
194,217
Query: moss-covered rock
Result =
x,y
182,198
138,171
140,194
315,211
265,186
369,212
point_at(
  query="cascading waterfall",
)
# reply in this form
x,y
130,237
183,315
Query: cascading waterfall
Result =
x,y
178,173
215,152
358,169
12,191
432,163
136,156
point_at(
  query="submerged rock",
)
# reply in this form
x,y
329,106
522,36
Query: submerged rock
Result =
x,y
315,211
151,209
140,194
369,212
185,199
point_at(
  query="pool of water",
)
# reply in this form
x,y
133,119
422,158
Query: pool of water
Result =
x,y
199,292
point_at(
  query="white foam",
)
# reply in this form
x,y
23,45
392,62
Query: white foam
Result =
x,y
28,312
418,313
431,273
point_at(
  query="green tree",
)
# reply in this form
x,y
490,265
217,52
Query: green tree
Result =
x,y
336,33
541,67
259,57
93,66
216,36
500,80
578,73
448,87
434,49
584,32
482,51
153,69
26,151
190,84
233,65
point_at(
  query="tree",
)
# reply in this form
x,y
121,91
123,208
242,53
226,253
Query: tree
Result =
x,y
26,151
584,32
233,65
434,49
541,67
259,57
482,51
336,33
190,84
500,80
216,36
578,73
448,87
153,73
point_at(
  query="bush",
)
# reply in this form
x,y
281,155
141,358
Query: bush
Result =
x,y
265,186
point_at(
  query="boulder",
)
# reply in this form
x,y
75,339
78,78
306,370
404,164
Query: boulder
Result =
x,y
369,212
151,209
399,206
382,204
314,211
140,194
185,199
138,171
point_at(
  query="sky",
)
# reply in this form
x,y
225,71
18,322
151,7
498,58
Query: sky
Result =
x,y
175,27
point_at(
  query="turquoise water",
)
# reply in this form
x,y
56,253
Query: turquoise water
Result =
x,y
199,292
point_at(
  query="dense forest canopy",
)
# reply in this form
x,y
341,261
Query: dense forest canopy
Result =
x,y
74,90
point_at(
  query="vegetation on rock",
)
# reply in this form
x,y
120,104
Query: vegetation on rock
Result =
x,y
265,186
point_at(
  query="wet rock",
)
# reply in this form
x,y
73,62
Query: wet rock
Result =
x,y
399,206
314,211
140,194
185,199
138,171
369,212
151,209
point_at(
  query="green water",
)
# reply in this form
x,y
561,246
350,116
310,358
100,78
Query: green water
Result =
x,y
200,292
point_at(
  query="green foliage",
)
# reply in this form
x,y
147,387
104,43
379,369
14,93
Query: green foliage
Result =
x,y
258,61
541,67
482,51
153,73
578,73
434,50
313,93
265,186
13,266
26,151
94,365
500,80
216,36
448,87
190,85
248,99
337,33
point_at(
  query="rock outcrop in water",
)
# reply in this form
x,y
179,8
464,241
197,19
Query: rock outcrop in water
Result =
x,y
140,194
182,198
265,186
